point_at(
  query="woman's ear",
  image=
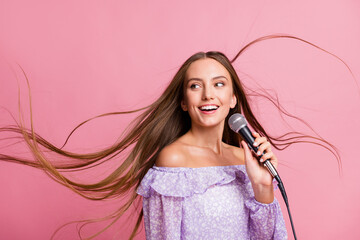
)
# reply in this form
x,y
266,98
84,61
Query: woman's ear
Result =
x,y
183,105
233,101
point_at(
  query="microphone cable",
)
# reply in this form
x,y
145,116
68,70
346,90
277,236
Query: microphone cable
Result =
x,y
283,193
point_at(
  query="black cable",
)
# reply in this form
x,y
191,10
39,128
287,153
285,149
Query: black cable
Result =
x,y
283,193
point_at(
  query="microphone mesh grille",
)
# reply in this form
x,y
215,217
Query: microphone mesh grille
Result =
x,y
236,122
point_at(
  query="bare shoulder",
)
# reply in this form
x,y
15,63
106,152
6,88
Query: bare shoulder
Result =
x,y
171,156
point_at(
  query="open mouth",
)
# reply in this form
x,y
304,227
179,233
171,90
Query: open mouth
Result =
x,y
208,109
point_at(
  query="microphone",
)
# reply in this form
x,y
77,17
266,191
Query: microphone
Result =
x,y
238,124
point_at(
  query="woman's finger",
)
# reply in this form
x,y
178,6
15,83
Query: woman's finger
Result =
x,y
246,149
259,140
264,146
248,153
269,155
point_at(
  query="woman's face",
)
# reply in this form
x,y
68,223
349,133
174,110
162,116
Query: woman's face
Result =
x,y
208,92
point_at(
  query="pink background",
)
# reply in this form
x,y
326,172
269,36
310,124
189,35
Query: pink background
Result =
x,y
88,57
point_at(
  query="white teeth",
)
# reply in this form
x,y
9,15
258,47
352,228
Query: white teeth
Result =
x,y
209,108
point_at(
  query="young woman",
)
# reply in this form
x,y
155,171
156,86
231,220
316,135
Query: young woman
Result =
x,y
201,187
195,179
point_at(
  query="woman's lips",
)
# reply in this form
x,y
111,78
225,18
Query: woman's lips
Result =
x,y
208,112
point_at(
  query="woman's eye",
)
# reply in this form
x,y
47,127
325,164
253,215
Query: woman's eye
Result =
x,y
221,84
194,85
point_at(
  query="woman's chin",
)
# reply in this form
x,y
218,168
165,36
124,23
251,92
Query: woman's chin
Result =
x,y
209,123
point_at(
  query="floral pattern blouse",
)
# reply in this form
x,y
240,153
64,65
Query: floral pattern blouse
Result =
x,y
215,202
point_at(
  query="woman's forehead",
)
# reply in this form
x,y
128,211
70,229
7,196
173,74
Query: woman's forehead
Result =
x,y
206,68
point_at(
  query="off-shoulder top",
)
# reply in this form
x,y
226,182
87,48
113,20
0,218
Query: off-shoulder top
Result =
x,y
215,202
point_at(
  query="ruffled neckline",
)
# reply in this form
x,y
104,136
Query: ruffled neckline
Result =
x,y
186,181
206,167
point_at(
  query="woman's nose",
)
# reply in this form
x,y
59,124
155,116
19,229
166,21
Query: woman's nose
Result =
x,y
208,93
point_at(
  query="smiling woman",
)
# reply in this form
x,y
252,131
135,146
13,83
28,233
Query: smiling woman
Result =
x,y
195,179
188,176
208,91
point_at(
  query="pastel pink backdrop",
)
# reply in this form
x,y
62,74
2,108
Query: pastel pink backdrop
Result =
x,y
84,58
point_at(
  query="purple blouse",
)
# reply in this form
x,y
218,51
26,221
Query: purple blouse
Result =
x,y
214,202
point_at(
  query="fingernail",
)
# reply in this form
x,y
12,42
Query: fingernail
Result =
x,y
255,144
261,160
258,153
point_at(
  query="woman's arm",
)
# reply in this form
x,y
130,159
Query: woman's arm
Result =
x,y
265,217
263,193
260,177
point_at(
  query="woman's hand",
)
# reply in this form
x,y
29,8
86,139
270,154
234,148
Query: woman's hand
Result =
x,y
260,177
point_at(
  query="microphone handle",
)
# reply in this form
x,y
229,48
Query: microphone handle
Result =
x,y
249,139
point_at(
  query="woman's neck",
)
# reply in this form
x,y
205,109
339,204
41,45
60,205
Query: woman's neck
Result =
x,y
208,137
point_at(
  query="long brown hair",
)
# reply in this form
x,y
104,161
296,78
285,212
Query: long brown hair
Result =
x,y
158,125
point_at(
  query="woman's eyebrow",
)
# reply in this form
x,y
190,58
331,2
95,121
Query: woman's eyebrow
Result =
x,y
199,79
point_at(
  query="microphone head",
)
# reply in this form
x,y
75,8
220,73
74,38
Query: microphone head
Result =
x,y
236,122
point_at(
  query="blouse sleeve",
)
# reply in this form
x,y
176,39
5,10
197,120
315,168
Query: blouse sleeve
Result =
x,y
266,220
162,217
